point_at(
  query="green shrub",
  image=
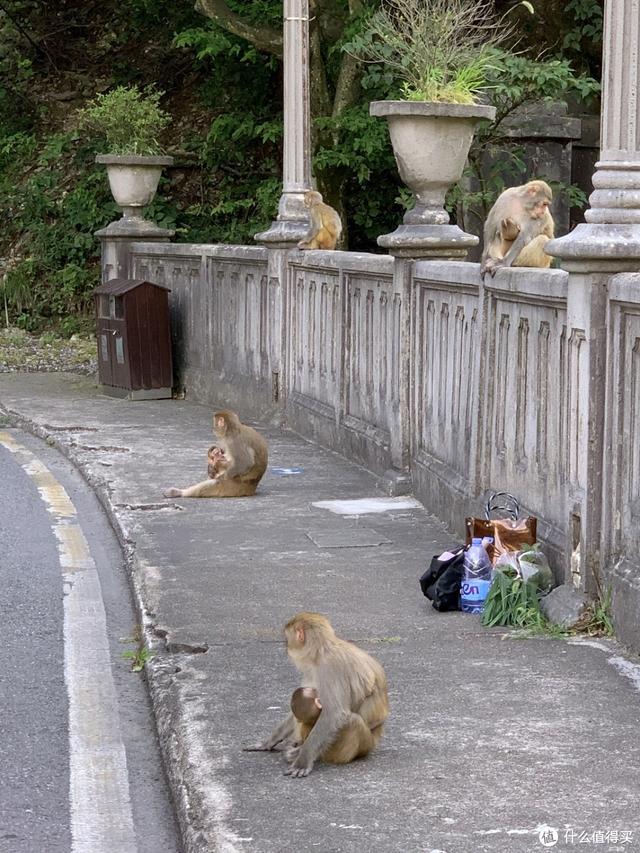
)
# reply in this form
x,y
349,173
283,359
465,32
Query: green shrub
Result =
x,y
439,50
70,326
130,120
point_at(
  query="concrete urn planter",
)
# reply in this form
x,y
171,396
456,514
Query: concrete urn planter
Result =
x,y
430,142
133,180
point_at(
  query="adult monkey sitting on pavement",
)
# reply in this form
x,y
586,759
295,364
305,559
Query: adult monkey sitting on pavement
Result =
x,y
518,227
351,684
243,453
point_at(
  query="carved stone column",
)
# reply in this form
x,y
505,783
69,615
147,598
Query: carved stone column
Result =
x,y
608,242
611,233
292,223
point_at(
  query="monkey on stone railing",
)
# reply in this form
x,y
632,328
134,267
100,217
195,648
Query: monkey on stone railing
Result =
x,y
518,227
326,226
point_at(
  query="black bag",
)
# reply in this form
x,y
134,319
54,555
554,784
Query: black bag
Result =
x,y
442,580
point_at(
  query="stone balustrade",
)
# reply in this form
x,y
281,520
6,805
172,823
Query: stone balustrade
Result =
x,y
442,383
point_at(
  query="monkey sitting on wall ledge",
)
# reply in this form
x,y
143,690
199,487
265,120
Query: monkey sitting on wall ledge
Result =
x,y
518,227
238,461
326,226
351,689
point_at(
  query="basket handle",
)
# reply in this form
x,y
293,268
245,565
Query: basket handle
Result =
x,y
504,503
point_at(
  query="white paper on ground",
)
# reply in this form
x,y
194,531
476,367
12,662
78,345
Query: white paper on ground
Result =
x,y
365,506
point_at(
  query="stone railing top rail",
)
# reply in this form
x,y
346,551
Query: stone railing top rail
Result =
x,y
349,261
210,250
535,281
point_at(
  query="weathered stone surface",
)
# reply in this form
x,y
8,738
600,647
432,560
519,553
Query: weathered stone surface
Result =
x,y
564,605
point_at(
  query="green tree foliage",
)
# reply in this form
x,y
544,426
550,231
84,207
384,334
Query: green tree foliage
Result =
x,y
440,50
565,29
219,65
515,82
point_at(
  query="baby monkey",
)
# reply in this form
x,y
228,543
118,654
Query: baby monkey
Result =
x,y
217,462
352,742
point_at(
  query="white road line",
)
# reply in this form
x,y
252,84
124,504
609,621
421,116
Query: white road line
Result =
x,y
101,816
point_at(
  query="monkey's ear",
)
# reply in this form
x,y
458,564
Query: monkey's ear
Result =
x,y
300,635
318,703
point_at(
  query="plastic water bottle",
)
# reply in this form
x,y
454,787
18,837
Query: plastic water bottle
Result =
x,y
476,579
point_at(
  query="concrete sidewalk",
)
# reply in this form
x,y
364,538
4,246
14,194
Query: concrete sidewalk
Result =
x,y
489,739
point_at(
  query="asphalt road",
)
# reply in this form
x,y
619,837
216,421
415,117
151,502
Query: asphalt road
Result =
x,y
38,741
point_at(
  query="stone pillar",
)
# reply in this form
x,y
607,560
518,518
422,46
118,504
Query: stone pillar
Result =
x,y
607,243
116,239
292,223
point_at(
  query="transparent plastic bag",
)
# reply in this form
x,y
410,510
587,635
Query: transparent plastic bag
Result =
x,y
530,564
535,566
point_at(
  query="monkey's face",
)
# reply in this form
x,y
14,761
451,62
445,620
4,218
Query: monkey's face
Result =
x,y
219,427
312,197
540,208
295,643
537,198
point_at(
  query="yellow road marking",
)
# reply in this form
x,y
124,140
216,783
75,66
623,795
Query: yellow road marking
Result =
x,y
101,816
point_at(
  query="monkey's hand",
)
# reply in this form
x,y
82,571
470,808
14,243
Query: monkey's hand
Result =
x,y
291,753
301,766
173,493
490,266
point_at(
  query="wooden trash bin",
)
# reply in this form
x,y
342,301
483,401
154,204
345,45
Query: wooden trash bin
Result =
x,y
134,339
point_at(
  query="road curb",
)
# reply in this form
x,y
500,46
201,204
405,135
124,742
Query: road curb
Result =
x,y
174,729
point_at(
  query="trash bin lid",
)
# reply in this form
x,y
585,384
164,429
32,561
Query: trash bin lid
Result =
x,y
118,286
